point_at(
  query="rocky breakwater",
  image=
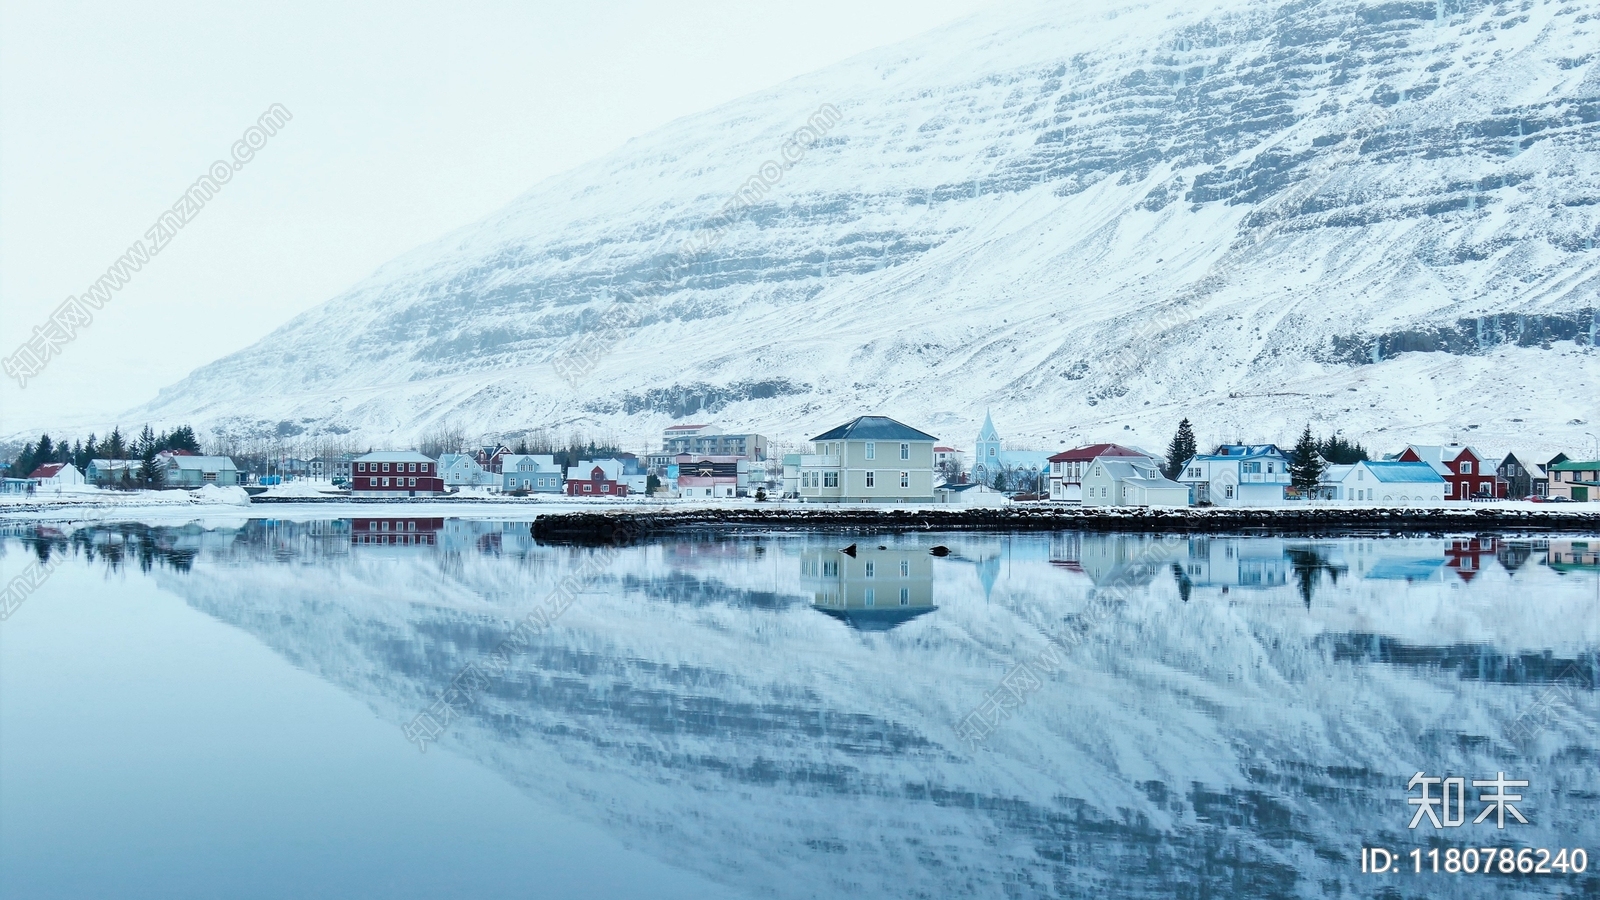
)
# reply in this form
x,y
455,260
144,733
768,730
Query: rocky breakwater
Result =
x,y
607,527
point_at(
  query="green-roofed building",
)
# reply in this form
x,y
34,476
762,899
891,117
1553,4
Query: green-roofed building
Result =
x,y
1575,480
870,459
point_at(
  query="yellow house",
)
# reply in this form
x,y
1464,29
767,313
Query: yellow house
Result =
x,y
870,459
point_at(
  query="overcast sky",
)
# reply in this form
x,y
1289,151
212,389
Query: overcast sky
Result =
x,y
408,121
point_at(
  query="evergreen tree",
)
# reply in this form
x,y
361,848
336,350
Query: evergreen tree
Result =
x,y
115,447
76,456
1305,466
24,462
999,481
90,452
182,438
43,452
1181,450
147,443
1341,452
150,474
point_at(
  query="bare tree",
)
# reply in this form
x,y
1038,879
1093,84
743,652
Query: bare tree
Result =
x,y
445,437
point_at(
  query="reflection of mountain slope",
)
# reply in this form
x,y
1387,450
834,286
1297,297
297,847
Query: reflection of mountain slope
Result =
x,y
1218,747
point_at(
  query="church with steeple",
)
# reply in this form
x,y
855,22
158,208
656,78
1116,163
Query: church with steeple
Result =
x,y
989,458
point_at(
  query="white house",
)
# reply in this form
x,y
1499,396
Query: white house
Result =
x,y
1130,481
536,473
194,471
1238,475
1387,483
460,470
55,476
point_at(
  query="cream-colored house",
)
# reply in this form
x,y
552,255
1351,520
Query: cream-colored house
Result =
x,y
1130,481
870,459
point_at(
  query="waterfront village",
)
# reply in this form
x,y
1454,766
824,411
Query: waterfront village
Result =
x,y
867,460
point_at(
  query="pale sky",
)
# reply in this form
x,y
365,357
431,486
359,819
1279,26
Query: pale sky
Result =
x,y
409,121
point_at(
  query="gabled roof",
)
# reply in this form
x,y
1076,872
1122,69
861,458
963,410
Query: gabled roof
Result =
x,y
1138,470
945,450
383,456
510,462
1404,472
202,462
48,470
1093,451
1243,451
686,427
1431,453
874,428
988,432
1525,460
1576,466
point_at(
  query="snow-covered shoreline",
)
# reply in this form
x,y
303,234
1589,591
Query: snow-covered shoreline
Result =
x,y
573,517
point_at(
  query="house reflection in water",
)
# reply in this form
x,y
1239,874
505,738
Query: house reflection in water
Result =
x,y
875,590
393,530
1573,556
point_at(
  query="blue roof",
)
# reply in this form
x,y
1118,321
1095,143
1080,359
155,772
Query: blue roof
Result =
x,y
1244,451
874,428
1404,472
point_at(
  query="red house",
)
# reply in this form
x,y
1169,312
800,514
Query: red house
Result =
x,y
1066,469
597,484
403,473
1467,473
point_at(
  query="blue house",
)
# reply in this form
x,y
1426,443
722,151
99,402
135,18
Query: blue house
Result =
x,y
1238,475
534,473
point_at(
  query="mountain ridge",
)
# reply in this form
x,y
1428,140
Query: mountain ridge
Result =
x,y
1169,210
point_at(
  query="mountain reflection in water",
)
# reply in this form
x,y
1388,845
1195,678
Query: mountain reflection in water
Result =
x,y
780,716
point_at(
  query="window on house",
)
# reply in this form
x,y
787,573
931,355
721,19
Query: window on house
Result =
x,y
905,596
1449,488
871,569
872,597
872,479
386,482
991,451
1466,467
1269,468
411,482
372,482
1228,492
830,479
905,568
588,488
872,450
905,451
386,467
905,479
605,488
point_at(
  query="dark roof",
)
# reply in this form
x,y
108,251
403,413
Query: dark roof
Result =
x,y
878,618
874,428
1094,451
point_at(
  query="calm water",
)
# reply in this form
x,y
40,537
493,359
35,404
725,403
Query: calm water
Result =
x,y
234,712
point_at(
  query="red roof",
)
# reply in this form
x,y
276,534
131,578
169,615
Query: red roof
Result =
x,y
48,470
945,450
1084,454
685,427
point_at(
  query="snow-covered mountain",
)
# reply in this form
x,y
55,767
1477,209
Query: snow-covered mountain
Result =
x,y
1374,215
